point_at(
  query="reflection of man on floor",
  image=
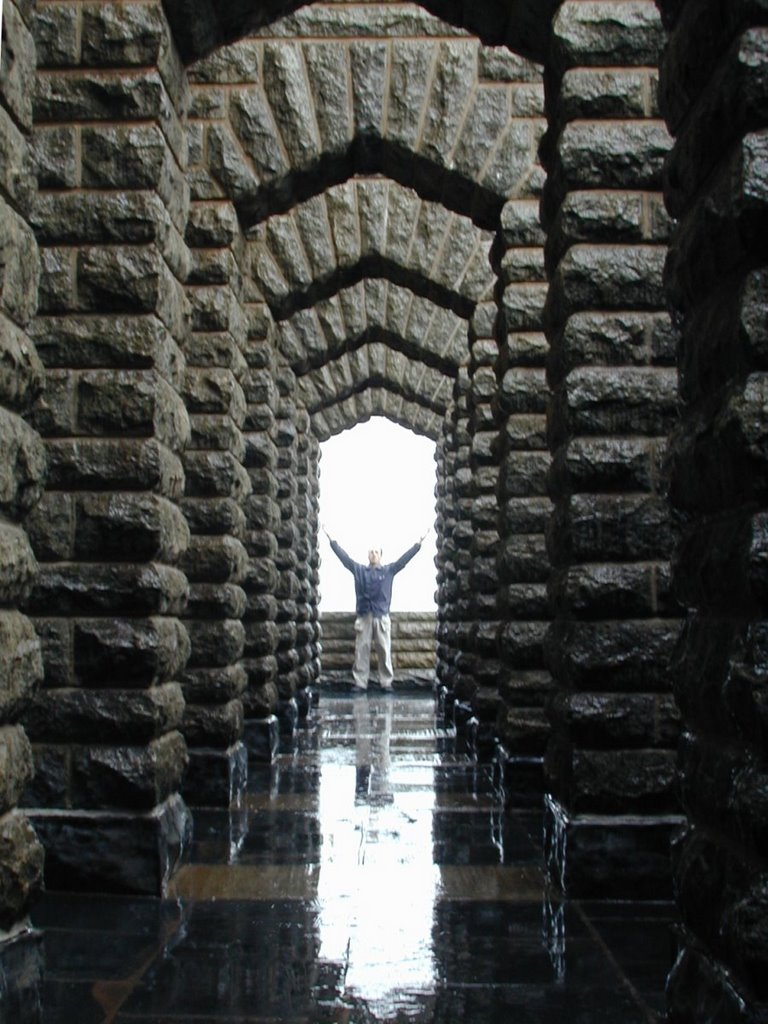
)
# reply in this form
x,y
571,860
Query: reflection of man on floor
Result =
x,y
373,725
373,596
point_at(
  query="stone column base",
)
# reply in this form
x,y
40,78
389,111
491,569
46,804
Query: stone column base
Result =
x,y
699,988
609,856
111,851
262,738
519,779
216,778
21,971
288,717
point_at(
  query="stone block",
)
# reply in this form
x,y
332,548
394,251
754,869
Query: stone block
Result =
x,y
593,337
131,280
628,656
611,528
17,83
522,600
605,721
606,277
523,558
21,868
21,372
128,777
54,156
17,164
130,653
21,667
523,390
216,778
717,463
114,716
213,725
133,403
123,35
607,34
103,851
215,559
216,601
523,475
520,645
615,856
55,33
615,92
22,963
215,642
606,465
16,766
79,588
19,267
85,464
18,567
215,475
217,685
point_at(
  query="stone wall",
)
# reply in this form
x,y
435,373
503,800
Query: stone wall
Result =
x,y
21,482
713,95
413,646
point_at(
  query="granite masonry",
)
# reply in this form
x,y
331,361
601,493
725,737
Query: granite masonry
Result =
x,y
532,231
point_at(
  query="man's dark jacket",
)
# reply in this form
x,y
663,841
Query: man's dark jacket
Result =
x,y
373,583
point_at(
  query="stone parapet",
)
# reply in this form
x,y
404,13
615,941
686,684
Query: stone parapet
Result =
x,y
413,644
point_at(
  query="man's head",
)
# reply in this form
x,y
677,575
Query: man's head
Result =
x,y
374,556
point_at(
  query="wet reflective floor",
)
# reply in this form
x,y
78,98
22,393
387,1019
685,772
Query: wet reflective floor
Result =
x,y
369,876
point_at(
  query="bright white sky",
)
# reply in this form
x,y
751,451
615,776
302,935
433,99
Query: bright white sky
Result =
x,y
377,488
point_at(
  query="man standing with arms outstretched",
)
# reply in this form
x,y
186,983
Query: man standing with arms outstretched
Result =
x,y
373,595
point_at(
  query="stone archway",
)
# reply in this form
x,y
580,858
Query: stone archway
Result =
x,y
118,293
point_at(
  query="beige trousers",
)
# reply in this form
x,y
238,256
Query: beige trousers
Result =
x,y
377,632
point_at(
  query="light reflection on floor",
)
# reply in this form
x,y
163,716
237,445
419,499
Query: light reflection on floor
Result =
x,y
370,876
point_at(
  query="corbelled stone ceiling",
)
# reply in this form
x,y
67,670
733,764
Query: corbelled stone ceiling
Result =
x,y
369,177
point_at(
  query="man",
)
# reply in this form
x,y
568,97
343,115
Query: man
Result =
x,y
373,595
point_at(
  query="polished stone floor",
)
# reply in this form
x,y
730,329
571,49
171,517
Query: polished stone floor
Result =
x,y
369,876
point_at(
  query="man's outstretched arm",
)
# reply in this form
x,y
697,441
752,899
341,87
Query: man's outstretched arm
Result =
x,y
405,558
340,553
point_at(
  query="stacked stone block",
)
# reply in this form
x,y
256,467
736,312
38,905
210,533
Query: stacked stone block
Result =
x,y
478,680
612,804
110,215
454,532
413,646
713,96
524,509
308,630
289,534
216,488
21,484
263,519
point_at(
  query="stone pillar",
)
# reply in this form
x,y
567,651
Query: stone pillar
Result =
x,y
524,508
454,609
110,216
215,490
262,515
445,522
23,468
289,533
308,597
479,681
612,803
713,90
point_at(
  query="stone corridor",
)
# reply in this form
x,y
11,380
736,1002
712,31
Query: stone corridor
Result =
x,y
370,875
534,232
